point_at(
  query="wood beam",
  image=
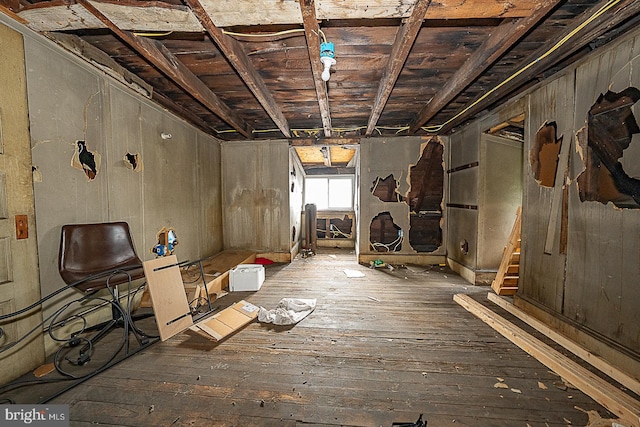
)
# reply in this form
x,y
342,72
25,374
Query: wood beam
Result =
x,y
405,37
501,40
599,363
235,54
305,142
612,398
183,112
158,55
312,33
540,60
10,8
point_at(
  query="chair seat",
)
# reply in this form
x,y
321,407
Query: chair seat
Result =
x,y
88,250
132,269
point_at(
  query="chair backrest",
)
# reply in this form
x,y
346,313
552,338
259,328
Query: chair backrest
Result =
x,y
89,249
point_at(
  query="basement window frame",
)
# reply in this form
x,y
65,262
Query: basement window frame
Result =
x,y
329,179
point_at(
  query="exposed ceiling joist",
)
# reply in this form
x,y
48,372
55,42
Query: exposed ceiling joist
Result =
x,y
601,20
405,37
158,55
312,33
500,41
183,112
238,58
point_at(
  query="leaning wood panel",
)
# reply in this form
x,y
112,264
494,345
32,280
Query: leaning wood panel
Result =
x,y
621,404
622,377
170,304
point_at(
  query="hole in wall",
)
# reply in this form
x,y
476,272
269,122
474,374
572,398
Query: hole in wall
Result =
x,y
609,132
425,198
86,160
386,189
426,179
167,240
293,233
293,184
464,247
133,161
384,234
543,156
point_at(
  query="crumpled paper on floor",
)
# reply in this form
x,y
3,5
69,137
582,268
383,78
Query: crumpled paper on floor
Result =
x,y
288,312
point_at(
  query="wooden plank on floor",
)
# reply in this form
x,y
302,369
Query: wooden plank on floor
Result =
x,y
622,377
612,398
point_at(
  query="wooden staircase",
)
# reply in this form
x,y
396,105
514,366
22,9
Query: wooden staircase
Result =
x,y
506,281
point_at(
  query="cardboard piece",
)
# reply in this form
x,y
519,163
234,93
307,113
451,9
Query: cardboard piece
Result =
x,y
228,321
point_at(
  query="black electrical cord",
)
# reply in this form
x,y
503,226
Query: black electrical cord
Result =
x,y
74,340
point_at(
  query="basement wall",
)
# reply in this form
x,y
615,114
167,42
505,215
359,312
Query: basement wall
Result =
x,y
179,186
580,263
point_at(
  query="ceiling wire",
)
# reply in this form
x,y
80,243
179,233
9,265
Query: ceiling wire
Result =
x,y
601,11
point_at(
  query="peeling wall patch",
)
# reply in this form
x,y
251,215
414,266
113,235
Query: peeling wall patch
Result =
x,y
37,174
86,160
133,162
610,128
543,156
384,234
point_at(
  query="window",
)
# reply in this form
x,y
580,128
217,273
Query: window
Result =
x,y
335,193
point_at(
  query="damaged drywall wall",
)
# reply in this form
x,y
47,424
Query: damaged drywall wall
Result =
x,y
610,127
334,227
384,234
133,161
386,189
543,156
86,160
166,242
402,210
424,198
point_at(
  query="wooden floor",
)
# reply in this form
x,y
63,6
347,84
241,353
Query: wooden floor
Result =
x,y
380,349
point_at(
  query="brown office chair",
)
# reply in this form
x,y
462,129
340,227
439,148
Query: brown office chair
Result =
x,y
100,256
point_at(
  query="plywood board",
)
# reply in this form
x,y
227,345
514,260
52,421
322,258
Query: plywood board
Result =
x,y
168,297
228,321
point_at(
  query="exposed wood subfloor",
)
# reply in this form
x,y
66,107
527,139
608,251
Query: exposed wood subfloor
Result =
x,y
354,361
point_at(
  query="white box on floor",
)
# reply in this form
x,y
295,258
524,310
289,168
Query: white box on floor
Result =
x,y
246,277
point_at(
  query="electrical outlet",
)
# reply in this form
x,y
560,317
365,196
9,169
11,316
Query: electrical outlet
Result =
x,y
22,227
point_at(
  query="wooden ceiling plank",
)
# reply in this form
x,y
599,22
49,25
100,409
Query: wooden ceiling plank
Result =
x,y
158,55
238,58
622,11
405,37
312,33
501,40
